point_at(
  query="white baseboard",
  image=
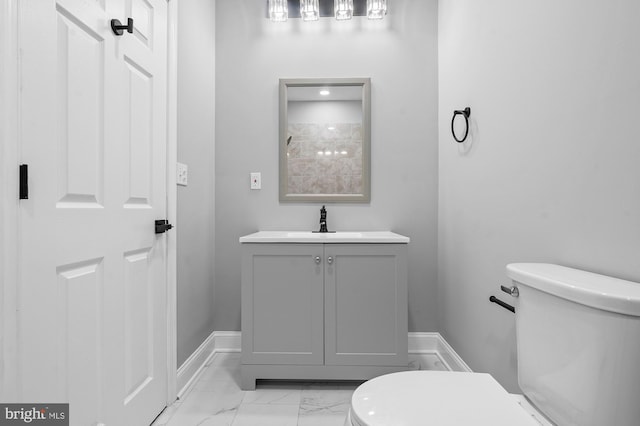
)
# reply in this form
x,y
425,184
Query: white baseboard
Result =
x,y
434,343
229,341
217,342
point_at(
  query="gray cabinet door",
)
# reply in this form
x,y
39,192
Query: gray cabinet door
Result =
x,y
366,304
282,304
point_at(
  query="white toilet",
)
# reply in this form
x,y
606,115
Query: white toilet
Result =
x,y
578,348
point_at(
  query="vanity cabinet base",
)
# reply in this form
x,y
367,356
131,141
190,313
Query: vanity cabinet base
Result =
x,y
323,311
249,373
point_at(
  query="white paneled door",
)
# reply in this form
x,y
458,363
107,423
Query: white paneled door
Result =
x,y
92,320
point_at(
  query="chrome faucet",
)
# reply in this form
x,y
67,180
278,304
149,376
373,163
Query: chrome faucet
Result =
x,y
323,220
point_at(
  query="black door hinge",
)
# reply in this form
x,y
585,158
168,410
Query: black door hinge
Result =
x,y
24,182
162,226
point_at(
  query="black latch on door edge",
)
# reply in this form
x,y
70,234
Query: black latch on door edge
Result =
x,y
24,182
162,226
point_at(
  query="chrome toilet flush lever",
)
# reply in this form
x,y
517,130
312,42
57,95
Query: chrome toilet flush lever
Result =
x,y
511,291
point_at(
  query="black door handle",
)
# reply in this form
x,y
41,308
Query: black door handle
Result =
x,y
162,226
117,27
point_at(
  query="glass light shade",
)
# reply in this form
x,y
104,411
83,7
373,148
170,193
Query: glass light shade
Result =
x,y
278,10
376,9
343,9
309,10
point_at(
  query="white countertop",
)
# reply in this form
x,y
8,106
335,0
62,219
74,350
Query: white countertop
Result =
x,y
365,237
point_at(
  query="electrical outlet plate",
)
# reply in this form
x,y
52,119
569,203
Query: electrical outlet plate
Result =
x,y
182,174
256,180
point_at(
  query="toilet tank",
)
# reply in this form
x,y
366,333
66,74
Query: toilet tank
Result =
x,y
578,344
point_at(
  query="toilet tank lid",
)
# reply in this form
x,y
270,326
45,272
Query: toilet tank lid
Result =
x,y
587,288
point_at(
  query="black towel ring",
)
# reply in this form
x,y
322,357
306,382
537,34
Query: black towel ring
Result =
x,y
466,113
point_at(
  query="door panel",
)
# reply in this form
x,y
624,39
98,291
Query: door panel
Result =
x,y
138,322
81,90
79,324
92,294
140,83
143,11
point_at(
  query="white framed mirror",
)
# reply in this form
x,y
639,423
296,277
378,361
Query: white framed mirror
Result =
x,y
325,140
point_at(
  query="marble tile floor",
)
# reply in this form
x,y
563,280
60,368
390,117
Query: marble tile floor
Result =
x,y
216,399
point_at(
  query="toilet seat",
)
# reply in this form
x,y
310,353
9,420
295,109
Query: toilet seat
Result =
x,y
416,398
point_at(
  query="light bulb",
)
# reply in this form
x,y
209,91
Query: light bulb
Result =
x,y
278,10
376,9
343,9
309,10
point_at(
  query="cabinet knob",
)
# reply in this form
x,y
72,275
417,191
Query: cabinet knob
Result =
x,y
329,260
318,260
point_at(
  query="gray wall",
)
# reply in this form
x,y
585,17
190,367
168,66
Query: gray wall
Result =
x,y
400,55
551,173
195,226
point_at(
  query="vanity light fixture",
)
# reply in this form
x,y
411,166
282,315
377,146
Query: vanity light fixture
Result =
x,y
312,10
278,10
325,92
343,9
309,10
376,9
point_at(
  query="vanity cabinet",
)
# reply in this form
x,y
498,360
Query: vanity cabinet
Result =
x,y
320,311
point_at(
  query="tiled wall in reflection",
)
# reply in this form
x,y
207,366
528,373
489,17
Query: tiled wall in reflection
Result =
x,y
325,158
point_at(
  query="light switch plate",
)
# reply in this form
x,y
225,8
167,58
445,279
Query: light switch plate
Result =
x,y
182,174
256,180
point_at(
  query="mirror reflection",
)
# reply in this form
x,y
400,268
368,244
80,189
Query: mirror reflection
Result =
x,y
324,138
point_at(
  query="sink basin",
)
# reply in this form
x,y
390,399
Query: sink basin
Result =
x,y
326,235
329,237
